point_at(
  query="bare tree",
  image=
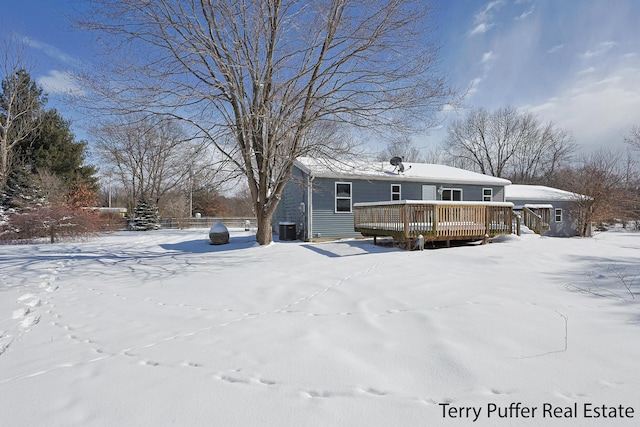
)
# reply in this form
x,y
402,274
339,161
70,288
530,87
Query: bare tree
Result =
x,y
150,157
599,182
536,160
633,139
633,172
402,147
262,79
21,102
508,144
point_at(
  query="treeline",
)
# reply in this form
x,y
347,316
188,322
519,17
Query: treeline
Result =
x,y
48,190
156,159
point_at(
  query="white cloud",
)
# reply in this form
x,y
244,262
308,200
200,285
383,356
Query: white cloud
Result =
x,y
488,57
483,19
473,86
524,14
598,108
60,82
481,28
51,51
556,48
587,70
599,49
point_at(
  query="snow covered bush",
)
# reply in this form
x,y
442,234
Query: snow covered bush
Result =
x,y
68,218
52,222
145,216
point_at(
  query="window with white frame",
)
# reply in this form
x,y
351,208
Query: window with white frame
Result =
x,y
487,194
453,194
343,197
396,192
558,213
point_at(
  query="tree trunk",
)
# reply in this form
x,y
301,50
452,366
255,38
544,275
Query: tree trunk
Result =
x,y
264,235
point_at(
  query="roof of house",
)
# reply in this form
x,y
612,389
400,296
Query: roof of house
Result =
x,y
413,172
537,193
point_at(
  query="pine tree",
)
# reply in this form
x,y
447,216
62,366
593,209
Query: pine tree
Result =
x,y
145,216
55,150
21,191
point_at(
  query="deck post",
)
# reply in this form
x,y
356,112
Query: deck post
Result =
x,y
405,214
487,220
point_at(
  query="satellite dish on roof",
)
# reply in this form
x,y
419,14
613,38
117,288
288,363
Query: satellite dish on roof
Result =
x,y
397,162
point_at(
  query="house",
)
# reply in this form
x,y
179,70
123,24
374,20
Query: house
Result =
x,y
546,210
318,200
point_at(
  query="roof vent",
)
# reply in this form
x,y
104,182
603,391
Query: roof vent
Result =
x,y
397,162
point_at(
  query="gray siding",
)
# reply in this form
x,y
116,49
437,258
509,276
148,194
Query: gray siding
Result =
x,y
288,209
328,223
566,228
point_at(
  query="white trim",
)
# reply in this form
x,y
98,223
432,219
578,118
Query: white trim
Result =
x,y
452,190
490,194
399,192
336,198
555,214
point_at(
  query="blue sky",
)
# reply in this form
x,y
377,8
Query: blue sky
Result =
x,y
575,62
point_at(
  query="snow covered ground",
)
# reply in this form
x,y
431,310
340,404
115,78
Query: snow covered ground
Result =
x,y
160,328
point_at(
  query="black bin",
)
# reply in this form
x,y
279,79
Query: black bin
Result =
x,y
287,231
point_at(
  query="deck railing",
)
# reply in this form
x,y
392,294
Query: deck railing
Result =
x,y
537,219
435,220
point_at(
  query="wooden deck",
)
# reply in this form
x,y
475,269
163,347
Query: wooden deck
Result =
x,y
405,220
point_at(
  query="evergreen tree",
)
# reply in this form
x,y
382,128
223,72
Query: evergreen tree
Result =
x,y
21,191
145,216
55,150
21,105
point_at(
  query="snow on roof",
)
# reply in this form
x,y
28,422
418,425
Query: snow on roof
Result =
x,y
537,192
385,171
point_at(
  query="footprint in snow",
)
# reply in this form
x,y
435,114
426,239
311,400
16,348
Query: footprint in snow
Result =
x,y
234,380
26,297
322,394
20,313
191,364
375,392
29,321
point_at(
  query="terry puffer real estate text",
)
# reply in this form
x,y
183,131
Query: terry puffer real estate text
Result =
x,y
546,410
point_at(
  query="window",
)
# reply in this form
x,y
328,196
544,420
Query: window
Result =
x,y
343,197
487,194
396,193
453,194
558,215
